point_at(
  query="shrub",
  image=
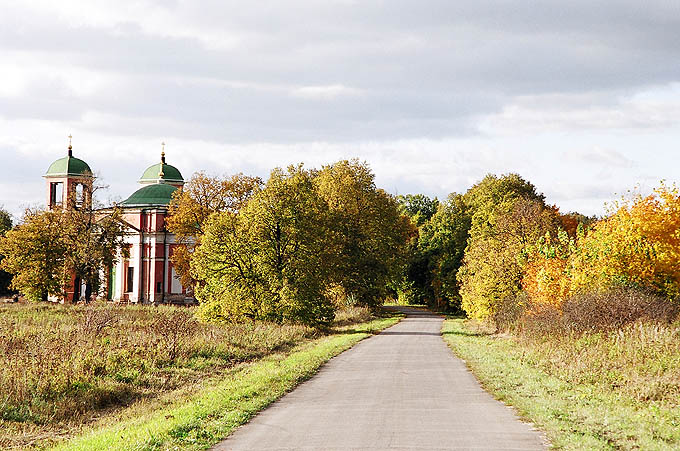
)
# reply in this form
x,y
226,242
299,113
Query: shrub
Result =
x,y
589,312
509,311
62,363
615,308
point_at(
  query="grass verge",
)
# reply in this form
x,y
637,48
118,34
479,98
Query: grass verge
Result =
x,y
574,415
212,413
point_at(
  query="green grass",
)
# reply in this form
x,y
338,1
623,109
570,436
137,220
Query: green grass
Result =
x,y
209,415
575,411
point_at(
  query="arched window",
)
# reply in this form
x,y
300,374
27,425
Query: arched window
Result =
x,y
56,193
80,194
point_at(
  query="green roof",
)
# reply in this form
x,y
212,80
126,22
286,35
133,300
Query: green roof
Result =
x,y
157,195
170,174
69,166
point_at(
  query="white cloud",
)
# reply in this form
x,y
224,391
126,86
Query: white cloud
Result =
x,y
657,107
605,157
328,92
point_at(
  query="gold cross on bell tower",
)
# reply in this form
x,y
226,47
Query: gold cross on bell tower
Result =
x,y
70,148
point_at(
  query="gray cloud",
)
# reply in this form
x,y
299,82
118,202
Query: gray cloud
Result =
x,y
359,77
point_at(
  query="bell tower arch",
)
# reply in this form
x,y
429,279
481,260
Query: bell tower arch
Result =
x,y
69,182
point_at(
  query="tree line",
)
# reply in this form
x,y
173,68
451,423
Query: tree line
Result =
x,y
501,247
306,241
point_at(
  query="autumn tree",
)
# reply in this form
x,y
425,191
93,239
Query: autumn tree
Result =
x,y
369,234
191,207
546,275
35,254
48,247
637,244
507,215
269,261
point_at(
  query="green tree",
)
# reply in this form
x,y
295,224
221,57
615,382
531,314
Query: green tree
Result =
x,y
418,207
444,240
436,256
5,221
370,235
269,260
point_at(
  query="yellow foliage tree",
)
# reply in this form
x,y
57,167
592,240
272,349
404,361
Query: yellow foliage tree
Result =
x,y
546,279
637,245
370,234
191,207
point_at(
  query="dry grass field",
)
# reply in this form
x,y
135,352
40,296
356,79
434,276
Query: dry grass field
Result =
x,y
64,366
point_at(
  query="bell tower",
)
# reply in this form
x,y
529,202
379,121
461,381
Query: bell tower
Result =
x,y
69,182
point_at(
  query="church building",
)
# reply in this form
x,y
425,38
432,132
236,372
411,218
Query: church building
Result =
x,y
146,274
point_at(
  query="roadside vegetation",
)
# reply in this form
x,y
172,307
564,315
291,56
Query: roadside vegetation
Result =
x,y
595,390
572,319
63,367
299,258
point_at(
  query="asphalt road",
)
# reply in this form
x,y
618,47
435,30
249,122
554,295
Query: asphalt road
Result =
x,y
400,390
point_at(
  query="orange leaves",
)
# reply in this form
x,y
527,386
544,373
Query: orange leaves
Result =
x,y
545,276
638,244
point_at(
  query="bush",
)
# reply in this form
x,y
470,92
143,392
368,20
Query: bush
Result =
x,y
509,311
587,312
615,308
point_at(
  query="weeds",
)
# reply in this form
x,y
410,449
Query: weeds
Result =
x,y
590,312
64,364
622,340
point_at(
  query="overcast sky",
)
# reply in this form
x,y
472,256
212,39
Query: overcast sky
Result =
x,y
581,97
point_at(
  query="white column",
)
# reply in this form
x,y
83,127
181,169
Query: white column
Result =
x,y
152,268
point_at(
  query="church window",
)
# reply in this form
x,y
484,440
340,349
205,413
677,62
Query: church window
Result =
x,y
129,282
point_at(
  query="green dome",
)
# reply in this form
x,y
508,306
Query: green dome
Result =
x,y
158,195
69,166
170,174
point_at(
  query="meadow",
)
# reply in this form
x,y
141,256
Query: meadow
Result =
x,y
62,367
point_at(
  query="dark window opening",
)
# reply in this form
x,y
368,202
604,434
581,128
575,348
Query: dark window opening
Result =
x,y
56,193
130,279
159,287
76,289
